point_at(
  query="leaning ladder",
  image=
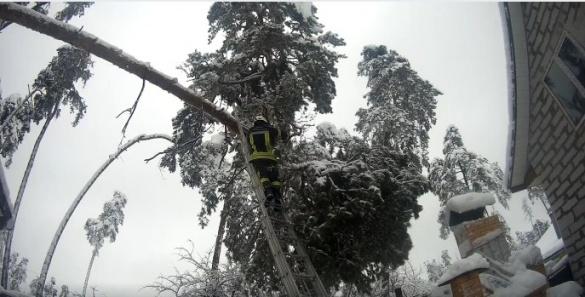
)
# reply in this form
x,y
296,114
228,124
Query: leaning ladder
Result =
x,y
297,273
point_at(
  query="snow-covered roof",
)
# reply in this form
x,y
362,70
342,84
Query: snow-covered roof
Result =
x,y
522,284
470,201
549,243
443,291
471,263
520,259
518,96
566,289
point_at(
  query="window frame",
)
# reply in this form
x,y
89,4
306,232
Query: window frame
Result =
x,y
569,74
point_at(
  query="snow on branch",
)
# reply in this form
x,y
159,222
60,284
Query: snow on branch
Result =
x,y
89,42
86,187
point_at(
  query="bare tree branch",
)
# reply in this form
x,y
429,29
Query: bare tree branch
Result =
x,y
129,109
175,148
133,108
84,190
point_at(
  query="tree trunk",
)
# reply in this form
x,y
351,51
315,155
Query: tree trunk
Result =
x,y
464,176
75,203
89,42
88,272
219,238
23,183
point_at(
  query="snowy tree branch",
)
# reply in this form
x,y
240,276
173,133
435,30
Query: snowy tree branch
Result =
x,y
71,34
241,81
84,190
174,148
20,105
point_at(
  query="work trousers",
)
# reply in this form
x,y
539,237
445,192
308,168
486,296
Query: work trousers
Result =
x,y
267,171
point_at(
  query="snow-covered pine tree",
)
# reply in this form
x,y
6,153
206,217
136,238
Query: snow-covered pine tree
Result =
x,y
531,237
343,193
15,118
105,226
401,105
274,59
462,171
435,269
17,270
55,87
51,289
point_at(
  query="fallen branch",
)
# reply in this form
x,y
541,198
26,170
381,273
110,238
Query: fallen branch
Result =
x,y
89,42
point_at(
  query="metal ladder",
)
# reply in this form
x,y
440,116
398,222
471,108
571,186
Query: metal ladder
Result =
x,y
296,271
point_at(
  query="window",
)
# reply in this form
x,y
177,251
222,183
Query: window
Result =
x,y
566,80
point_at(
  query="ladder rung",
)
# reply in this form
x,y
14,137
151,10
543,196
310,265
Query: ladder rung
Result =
x,y
304,276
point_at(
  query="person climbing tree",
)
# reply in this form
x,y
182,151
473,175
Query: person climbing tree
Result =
x,y
262,139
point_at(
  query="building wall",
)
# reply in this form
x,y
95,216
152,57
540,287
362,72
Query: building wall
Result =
x,y
556,146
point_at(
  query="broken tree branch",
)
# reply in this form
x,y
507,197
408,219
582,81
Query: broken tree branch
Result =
x,y
133,108
89,42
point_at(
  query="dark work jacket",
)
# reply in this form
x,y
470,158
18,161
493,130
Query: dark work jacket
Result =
x,y
262,140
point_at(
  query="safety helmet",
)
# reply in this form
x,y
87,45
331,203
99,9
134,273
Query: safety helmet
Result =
x,y
261,118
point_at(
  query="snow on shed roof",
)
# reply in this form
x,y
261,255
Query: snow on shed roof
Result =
x,y
549,243
470,201
473,262
566,289
522,284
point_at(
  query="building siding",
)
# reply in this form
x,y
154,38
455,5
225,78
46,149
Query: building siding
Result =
x,y
556,147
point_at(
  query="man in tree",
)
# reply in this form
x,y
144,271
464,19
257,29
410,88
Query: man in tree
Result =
x,y
262,139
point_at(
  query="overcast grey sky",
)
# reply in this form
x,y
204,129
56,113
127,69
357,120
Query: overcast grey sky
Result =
x,y
458,47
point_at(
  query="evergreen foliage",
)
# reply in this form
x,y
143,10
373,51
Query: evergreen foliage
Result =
x,y
342,190
17,272
462,171
54,86
347,192
51,289
108,222
531,237
15,116
436,269
71,9
401,105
